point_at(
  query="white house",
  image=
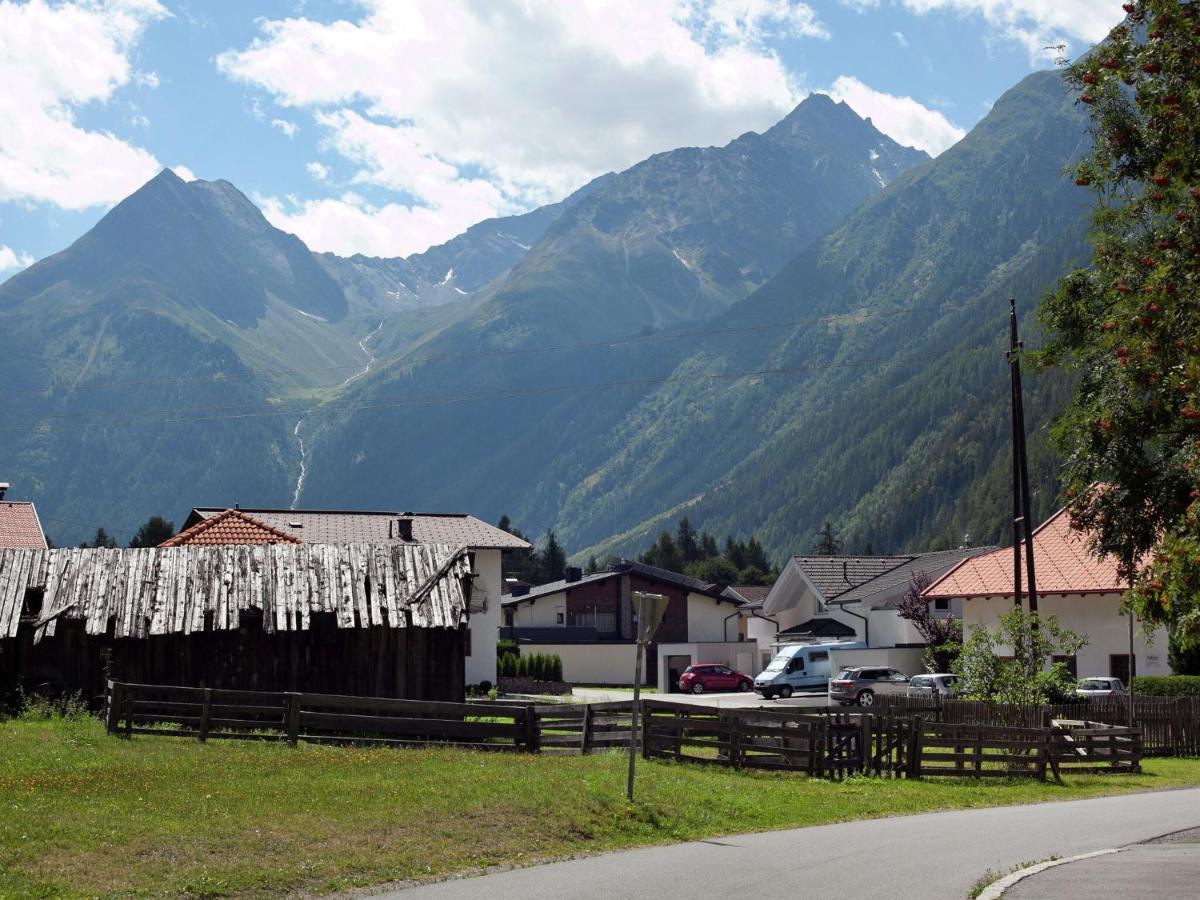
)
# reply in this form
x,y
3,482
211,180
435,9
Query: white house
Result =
x,y
1083,591
589,621
854,599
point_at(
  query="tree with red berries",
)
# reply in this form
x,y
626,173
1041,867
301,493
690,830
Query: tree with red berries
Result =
x,y
1129,326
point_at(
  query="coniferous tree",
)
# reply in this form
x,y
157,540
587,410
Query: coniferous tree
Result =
x,y
553,559
827,542
102,540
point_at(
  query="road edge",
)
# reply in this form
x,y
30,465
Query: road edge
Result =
x,y
996,889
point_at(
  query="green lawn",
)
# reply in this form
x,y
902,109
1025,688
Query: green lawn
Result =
x,y
86,814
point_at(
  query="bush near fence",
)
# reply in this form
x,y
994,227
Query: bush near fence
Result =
x,y
1167,685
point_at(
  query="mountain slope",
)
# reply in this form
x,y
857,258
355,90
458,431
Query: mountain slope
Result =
x,y
665,244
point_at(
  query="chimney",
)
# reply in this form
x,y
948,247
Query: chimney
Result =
x,y
519,590
4,486
572,573
404,528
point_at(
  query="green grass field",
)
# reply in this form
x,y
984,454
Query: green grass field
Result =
x,y
87,814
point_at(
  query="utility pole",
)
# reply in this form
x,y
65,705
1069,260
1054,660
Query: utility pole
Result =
x,y
1022,516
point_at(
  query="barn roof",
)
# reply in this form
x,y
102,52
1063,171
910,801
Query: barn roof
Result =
x,y
173,590
19,525
1063,564
347,526
233,526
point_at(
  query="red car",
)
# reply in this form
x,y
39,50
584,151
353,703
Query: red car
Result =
x,y
713,677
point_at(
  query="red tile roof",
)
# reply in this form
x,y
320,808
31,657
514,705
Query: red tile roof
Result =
x,y
1062,562
20,527
230,527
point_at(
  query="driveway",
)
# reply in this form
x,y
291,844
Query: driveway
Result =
x,y
929,856
735,700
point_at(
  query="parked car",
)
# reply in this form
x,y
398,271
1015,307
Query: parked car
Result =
x,y
712,677
940,684
860,684
1100,687
798,667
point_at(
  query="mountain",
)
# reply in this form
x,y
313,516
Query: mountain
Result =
x,y
888,418
663,245
447,272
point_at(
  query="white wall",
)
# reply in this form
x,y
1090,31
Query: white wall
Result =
x,y
485,624
1096,617
706,619
540,613
906,659
592,663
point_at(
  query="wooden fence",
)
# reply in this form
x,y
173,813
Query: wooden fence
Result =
x,y
576,728
1169,726
209,713
883,744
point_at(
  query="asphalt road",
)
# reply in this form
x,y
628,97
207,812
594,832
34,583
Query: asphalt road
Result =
x,y
930,856
733,700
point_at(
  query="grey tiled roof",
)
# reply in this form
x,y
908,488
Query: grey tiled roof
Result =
x,y
752,593
378,527
896,579
835,575
684,581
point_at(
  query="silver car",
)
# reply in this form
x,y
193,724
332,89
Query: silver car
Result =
x,y
860,684
1100,687
940,684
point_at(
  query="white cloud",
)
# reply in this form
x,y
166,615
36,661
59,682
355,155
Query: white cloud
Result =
x,y
901,118
318,170
467,110
290,129
54,59
10,259
1036,24
184,172
900,38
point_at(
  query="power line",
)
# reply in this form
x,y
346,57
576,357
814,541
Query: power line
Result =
x,y
220,377
396,402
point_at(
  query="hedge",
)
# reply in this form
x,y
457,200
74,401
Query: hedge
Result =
x,y
1167,685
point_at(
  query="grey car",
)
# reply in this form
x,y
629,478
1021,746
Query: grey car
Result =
x,y
860,684
941,684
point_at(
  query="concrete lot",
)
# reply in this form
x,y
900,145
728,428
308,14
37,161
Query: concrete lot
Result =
x,y
747,700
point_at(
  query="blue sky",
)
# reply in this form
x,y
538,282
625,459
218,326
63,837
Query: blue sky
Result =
x,y
383,127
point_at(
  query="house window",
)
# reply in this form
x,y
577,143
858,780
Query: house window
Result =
x,y
1071,663
942,604
560,616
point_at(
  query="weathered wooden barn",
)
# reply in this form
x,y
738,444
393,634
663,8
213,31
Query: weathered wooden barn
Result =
x,y
382,620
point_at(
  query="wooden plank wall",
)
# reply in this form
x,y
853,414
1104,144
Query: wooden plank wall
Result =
x,y
135,593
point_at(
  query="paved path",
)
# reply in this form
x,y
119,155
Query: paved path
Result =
x,y
1166,870
929,856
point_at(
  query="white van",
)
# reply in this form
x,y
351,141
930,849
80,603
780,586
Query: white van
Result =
x,y
799,667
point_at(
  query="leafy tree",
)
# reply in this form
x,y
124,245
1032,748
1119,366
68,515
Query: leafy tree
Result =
x,y
102,540
1129,327
1008,665
943,636
153,532
827,542
714,571
1184,661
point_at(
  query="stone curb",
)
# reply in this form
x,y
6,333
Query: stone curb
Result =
x,y
996,889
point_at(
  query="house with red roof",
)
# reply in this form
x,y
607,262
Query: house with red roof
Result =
x,y
1082,590
20,528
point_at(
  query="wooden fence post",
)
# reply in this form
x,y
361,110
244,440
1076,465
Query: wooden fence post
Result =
x,y
205,714
864,743
127,702
292,715
585,736
914,747
532,736
113,713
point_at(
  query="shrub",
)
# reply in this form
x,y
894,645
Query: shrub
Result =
x,y
556,668
1167,685
538,667
523,667
508,646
